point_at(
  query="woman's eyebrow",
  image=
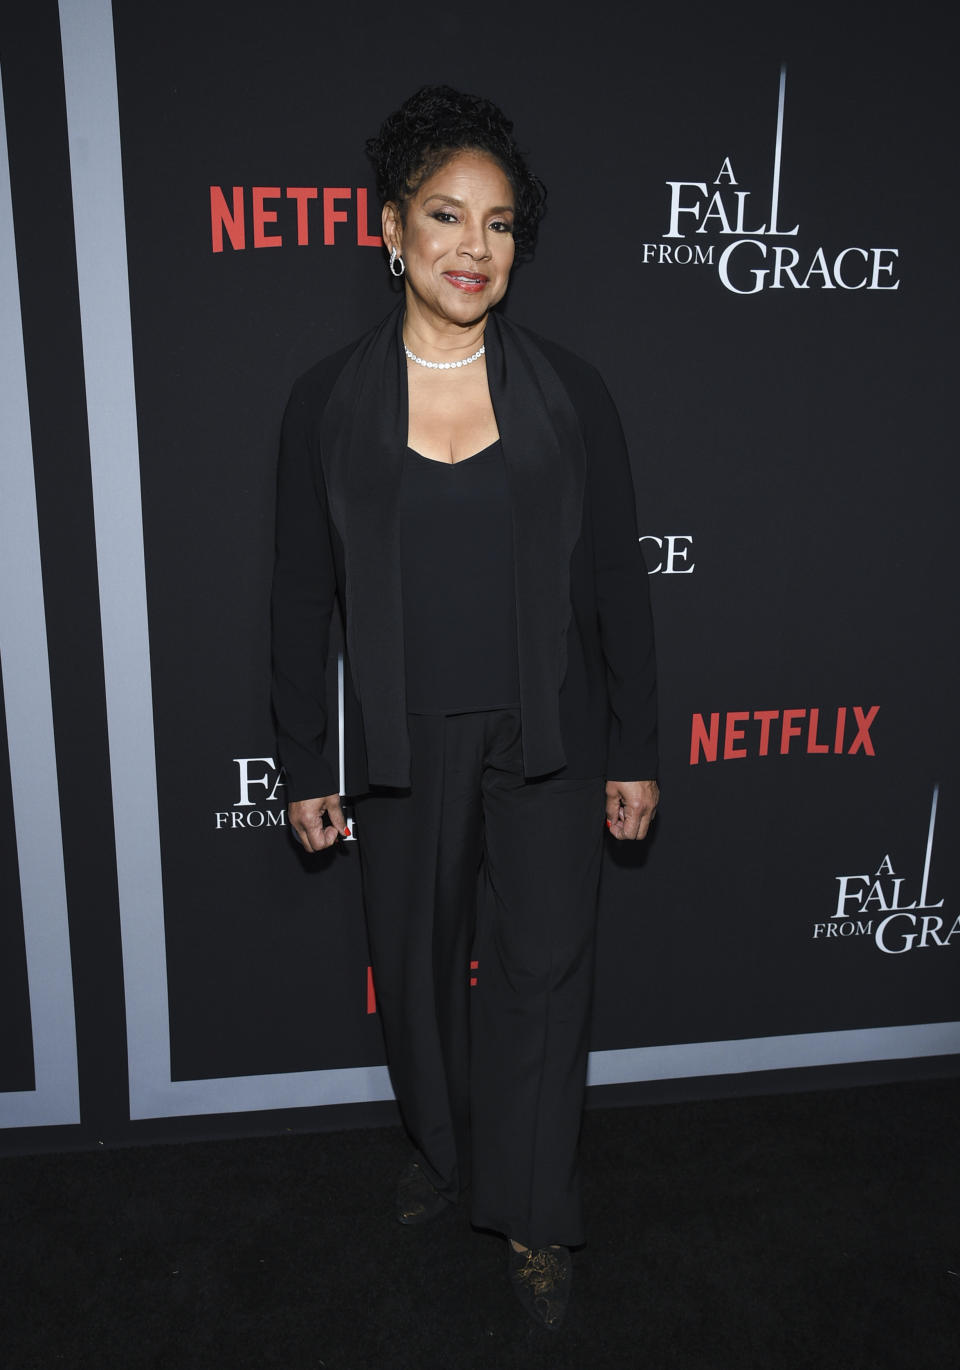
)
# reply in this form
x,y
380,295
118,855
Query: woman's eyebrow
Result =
x,y
452,200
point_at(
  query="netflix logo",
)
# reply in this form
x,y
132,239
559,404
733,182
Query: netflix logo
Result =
x,y
271,216
775,732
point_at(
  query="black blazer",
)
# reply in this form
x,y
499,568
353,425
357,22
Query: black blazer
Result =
x,y
585,640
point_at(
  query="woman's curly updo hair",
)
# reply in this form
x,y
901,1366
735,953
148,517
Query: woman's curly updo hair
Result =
x,y
433,125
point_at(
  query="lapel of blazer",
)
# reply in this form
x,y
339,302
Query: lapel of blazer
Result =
x,y
363,437
546,464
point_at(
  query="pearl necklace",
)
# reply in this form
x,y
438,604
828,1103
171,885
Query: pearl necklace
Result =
x,y
444,366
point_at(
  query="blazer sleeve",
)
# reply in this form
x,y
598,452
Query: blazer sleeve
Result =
x,y
623,596
302,601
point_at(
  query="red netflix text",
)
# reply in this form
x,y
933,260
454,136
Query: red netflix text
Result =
x,y
766,732
268,216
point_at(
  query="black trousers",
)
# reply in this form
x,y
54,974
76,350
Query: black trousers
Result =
x,y
474,862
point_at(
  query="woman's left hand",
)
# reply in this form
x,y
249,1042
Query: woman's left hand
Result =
x,y
631,805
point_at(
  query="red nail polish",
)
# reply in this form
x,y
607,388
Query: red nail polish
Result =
x,y
608,822
346,832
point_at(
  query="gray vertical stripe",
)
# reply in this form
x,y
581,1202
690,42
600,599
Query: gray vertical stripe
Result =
x,y
29,715
94,132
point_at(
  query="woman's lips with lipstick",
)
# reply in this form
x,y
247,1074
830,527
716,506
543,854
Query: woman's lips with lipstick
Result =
x,y
470,281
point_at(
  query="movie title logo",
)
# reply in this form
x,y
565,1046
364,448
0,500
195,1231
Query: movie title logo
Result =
x,y
742,733
878,905
669,555
274,216
746,259
259,784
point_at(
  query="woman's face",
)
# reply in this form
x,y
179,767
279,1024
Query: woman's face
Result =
x,y
457,241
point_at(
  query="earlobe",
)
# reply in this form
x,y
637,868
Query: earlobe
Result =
x,y
393,238
390,224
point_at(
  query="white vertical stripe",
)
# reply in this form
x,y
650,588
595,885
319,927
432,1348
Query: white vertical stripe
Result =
x,y
777,159
342,781
94,131
929,853
29,719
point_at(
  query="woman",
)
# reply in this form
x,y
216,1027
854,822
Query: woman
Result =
x,y
461,487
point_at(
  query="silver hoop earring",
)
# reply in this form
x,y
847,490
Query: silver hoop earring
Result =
x,y
394,259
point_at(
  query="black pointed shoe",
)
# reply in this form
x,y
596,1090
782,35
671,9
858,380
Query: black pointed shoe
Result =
x,y
541,1279
417,1199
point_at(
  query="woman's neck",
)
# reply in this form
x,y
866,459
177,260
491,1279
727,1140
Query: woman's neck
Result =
x,y
440,340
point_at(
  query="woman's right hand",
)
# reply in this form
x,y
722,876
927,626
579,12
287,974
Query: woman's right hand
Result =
x,y
306,820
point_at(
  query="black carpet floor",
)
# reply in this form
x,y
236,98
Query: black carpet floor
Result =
x,y
802,1231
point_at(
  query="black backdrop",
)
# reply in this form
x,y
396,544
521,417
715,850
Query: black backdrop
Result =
x,y
789,433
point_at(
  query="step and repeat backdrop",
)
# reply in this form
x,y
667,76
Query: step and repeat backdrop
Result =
x,y
748,233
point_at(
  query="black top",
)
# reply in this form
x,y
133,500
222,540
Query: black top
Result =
x,y
457,573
